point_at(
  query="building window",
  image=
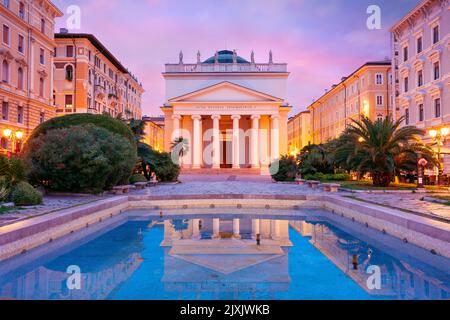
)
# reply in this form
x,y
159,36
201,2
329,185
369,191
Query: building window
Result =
x,y
69,51
435,34
379,79
20,78
421,112
405,53
69,101
6,35
380,117
43,25
436,71
437,108
5,110
5,71
406,84
379,100
22,10
42,117
69,73
19,114
4,143
20,45
41,87
420,78
41,56
6,3
419,44
407,116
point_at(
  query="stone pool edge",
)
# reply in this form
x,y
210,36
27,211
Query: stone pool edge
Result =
x,y
24,235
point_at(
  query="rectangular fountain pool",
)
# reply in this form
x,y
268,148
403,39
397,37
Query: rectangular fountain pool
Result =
x,y
296,255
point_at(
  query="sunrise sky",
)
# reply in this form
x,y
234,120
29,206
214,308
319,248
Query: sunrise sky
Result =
x,y
321,41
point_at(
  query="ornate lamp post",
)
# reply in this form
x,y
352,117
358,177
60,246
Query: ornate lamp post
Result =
x,y
439,137
14,137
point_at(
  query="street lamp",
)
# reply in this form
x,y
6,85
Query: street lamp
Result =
x,y
13,136
439,136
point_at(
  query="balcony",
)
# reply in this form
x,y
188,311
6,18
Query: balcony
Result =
x,y
113,100
226,67
99,92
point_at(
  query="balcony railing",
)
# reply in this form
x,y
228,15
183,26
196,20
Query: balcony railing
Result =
x,y
226,67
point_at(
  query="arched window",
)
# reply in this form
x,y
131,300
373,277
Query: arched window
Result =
x,y
41,87
4,143
69,73
5,71
20,79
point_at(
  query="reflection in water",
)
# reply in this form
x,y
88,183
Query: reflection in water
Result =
x,y
219,258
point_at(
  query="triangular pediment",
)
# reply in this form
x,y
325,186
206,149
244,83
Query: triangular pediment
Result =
x,y
226,91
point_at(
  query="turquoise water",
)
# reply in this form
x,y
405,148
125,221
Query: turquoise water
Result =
x,y
127,261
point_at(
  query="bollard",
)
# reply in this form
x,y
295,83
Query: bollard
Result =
x,y
355,262
258,239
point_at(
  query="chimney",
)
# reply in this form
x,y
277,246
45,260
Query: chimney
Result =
x,y
63,30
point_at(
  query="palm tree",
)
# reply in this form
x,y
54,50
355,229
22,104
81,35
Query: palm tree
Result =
x,y
180,145
381,148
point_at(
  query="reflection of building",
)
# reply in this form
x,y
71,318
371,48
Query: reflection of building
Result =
x,y
45,283
154,132
231,111
221,255
26,52
421,50
365,92
299,134
89,79
398,278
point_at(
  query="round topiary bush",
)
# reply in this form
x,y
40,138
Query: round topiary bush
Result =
x,y
137,178
23,194
284,169
83,158
104,121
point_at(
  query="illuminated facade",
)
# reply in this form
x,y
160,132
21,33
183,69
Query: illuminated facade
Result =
x,y
26,52
89,79
299,132
154,132
367,91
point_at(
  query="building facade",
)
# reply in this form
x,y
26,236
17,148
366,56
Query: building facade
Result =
x,y
26,51
231,112
421,51
367,92
299,132
90,79
154,132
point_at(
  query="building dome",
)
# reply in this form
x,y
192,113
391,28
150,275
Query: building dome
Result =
x,y
225,56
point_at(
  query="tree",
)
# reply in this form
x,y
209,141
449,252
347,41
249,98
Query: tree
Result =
x,y
381,148
317,158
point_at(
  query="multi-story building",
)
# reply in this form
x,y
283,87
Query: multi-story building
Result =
x,y
90,79
367,91
154,132
26,50
299,132
421,51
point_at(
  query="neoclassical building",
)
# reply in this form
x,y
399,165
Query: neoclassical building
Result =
x,y
231,112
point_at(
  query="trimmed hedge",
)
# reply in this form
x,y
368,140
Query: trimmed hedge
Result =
x,y
103,121
82,158
319,176
23,194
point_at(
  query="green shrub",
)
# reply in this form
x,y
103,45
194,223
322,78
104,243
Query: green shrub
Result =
x,y
23,194
103,121
165,169
137,178
319,176
287,169
81,158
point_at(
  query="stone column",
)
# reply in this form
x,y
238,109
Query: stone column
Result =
x,y
196,142
176,126
236,229
255,228
275,137
275,229
236,159
196,229
254,142
216,228
216,141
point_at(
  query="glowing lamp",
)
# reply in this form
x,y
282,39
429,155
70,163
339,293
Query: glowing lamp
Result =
x,y
445,131
432,133
361,139
7,133
19,135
